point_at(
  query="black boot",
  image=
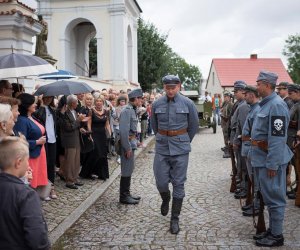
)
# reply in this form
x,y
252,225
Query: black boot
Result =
x,y
135,197
271,241
125,197
164,209
176,208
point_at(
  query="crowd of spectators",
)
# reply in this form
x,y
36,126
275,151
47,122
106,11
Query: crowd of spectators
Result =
x,y
71,137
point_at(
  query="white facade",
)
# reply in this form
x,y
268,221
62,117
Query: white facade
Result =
x,y
73,23
18,24
213,84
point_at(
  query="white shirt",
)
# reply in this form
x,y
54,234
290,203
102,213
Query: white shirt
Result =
x,y
50,126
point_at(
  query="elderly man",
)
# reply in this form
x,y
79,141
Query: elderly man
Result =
x,y
175,123
270,155
6,88
69,125
128,129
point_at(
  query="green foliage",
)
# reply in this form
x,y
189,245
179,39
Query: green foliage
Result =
x,y
292,52
93,57
156,59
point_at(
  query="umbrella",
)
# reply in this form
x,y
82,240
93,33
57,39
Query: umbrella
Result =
x,y
60,75
19,65
63,88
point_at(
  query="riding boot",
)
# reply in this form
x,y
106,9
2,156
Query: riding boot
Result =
x,y
176,208
125,197
135,197
164,209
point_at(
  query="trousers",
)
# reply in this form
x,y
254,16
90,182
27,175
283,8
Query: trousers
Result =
x,y
127,165
171,169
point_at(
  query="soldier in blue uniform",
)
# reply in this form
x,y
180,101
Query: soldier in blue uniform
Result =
x,y
175,122
128,128
270,155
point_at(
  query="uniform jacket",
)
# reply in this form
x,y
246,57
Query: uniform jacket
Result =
x,y
128,127
234,119
270,124
248,126
22,224
241,114
69,130
294,117
31,132
178,114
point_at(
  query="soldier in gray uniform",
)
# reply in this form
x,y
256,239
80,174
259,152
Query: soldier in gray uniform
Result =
x,y
270,155
294,127
175,122
282,90
252,99
128,128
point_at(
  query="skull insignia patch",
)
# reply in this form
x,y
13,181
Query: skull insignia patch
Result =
x,y
278,125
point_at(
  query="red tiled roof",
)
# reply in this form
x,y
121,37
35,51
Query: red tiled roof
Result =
x,y
230,70
19,2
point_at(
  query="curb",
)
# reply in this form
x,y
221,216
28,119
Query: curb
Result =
x,y
89,201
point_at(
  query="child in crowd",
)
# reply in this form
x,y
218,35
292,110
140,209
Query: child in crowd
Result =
x,y
22,224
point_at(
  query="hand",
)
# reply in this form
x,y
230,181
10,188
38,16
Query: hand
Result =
x,y
235,146
128,154
28,174
271,173
81,117
82,131
41,140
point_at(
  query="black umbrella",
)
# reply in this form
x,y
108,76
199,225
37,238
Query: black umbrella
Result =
x,y
19,65
63,88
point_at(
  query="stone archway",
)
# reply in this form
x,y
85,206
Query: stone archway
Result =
x,y
129,53
78,34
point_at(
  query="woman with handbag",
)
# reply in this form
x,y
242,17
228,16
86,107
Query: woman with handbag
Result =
x,y
96,162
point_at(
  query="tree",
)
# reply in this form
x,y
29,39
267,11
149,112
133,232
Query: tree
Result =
x,y
156,59
292,52
93,57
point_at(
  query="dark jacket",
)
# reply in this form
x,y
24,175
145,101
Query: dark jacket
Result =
x,y
69,130
40,116
22,224
32,133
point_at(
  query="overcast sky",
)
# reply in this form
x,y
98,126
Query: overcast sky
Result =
x,y
200,30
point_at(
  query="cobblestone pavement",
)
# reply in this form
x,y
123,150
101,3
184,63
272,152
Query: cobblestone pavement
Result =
x,y
210,219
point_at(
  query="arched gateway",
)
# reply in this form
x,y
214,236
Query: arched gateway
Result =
x,y
113,23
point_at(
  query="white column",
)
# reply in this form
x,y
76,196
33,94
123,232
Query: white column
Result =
x,y
99,58
135,52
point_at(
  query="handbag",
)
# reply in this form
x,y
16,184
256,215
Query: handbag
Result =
x,y
86,143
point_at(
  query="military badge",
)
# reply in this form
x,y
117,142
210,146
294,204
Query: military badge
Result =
x,y
278,126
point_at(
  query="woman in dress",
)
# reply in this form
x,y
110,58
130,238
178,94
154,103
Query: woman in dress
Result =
x,y
34,133
97,162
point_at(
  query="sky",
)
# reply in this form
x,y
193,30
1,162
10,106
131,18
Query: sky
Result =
x,y
200,30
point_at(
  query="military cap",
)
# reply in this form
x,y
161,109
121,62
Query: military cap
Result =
x,y
171,80
268,77
282,85
239,85
226,93
135,93
250,88
293,87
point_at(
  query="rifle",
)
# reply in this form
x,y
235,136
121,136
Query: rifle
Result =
x,y
234,170
250,192
297,170
261,225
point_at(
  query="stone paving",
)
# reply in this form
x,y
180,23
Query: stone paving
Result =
x,y
210,219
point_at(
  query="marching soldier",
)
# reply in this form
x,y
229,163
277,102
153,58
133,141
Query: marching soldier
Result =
x,y
128,128
225,116
270,155
175,123
294,126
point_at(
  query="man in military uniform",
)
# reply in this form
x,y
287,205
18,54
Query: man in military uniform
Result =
x,y
225,116
270,155
128,128
237,123
282,90
294,126
175,122
252,99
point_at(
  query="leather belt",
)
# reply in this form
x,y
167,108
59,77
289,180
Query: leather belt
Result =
x,y
263,145
131,137
172,132
293,124
246,138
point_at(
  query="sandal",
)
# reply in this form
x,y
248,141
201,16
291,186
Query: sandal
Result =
x,y
52,194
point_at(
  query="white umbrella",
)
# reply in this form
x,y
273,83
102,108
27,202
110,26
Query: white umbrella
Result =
x,y
19,65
